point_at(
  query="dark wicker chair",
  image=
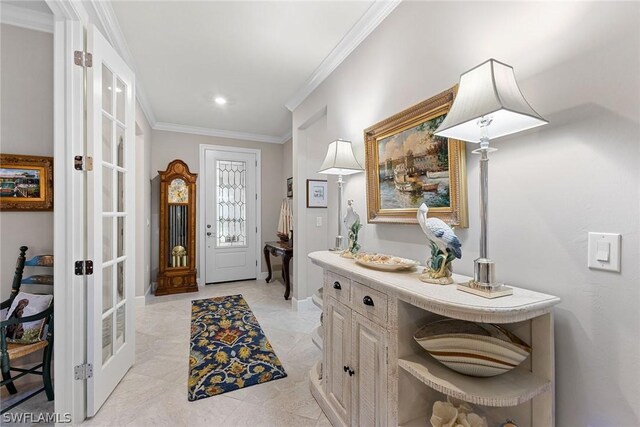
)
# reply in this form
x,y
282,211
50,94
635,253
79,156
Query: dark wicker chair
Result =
x,y
10,352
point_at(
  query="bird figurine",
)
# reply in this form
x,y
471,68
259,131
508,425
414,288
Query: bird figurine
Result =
x,y
353,226
445,247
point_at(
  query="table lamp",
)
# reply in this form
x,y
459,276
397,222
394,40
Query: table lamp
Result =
x,y
488,105
340,161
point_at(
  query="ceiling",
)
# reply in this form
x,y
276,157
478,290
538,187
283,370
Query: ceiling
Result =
x,y
255,54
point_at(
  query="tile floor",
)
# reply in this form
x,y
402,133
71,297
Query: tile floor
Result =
x,y
154,391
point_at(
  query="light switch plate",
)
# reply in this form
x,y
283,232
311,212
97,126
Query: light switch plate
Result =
x,y
604,251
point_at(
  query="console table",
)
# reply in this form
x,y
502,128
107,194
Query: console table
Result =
x,y
284,250
373,373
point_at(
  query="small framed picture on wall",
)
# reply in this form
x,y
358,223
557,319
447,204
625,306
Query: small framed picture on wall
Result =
x,y
290,187
316,193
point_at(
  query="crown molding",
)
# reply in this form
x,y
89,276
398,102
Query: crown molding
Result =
x,y
286,137
245,136
26,18
109,21
378,11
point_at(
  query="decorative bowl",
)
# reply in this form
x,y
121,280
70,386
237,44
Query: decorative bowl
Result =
x,y
385,262
475,349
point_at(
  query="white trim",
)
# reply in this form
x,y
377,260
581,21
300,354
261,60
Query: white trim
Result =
x,y
245,136
302,304
378,11
202,264
264,274
68,216
26,18
109,21
141,300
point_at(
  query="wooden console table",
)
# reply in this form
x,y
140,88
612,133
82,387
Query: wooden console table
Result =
x,y
284,250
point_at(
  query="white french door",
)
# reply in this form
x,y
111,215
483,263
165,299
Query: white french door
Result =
x,y
110,219
230,216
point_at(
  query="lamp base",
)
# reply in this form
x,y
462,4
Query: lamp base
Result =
x,y
497,290
483,283
338,247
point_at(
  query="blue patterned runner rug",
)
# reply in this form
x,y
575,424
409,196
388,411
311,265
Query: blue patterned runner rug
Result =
x,y
229,350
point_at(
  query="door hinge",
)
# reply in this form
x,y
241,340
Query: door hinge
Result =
x,y
81,163
84,268
83,372
83,59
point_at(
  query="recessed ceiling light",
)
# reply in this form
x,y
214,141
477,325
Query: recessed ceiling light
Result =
x,y
220,100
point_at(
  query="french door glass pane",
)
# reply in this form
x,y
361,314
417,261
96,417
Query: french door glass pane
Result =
x,y
120,322
120,145
107,288
120,189
107,84
120,283
231,201
107,336
107,140
120,235
107,189
121,91
107,239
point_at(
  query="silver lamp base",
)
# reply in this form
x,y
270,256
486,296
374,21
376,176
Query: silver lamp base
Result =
x,y
338,247
483,283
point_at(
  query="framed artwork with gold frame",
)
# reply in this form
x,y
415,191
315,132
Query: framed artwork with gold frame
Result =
x,y
26,183
406,165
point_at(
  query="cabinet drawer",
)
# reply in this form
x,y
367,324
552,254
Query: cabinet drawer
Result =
x,y
337,286
369,302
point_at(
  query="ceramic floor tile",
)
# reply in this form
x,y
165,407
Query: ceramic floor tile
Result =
x,y
154,391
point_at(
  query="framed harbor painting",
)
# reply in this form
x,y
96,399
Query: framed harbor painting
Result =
x,y
408,165
26,183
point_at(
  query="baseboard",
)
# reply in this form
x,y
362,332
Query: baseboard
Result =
x,y
141,300
302,304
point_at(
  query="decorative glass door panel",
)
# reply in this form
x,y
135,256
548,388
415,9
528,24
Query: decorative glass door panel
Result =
x,y
232,203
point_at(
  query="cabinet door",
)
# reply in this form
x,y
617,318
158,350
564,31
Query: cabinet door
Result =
x,y
337,350
369,384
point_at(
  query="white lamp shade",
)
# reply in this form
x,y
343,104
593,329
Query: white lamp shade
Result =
x,y
340,159
490,89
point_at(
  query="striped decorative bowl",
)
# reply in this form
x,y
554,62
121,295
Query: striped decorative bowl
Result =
x,y
475,349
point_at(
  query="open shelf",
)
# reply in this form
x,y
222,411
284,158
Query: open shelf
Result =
x,y
317,336
317,298
509,389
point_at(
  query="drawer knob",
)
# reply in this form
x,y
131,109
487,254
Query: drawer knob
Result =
x,y
351,372
368,301
346,368
336,285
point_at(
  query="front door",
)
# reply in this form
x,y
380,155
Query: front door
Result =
x,y
110,219
230,215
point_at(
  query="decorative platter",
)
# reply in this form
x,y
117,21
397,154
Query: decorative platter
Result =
x,y
385,262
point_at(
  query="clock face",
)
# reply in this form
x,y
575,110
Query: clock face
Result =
x,y
178,192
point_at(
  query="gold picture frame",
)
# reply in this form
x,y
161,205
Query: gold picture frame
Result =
x,y
416,166
26,183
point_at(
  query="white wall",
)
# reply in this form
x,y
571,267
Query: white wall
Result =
x,y
168,146
578,64
26,93
143,206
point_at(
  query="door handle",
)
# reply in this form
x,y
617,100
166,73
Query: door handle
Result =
x,y
367,300
336,285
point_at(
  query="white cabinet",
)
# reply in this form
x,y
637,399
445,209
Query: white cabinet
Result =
x,y
369,362
374,373
355,352
337,352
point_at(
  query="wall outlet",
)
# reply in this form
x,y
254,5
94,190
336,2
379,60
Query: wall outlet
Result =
x,y
604,251
318,221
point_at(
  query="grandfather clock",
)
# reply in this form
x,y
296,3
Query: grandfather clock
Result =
x,y
177,269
